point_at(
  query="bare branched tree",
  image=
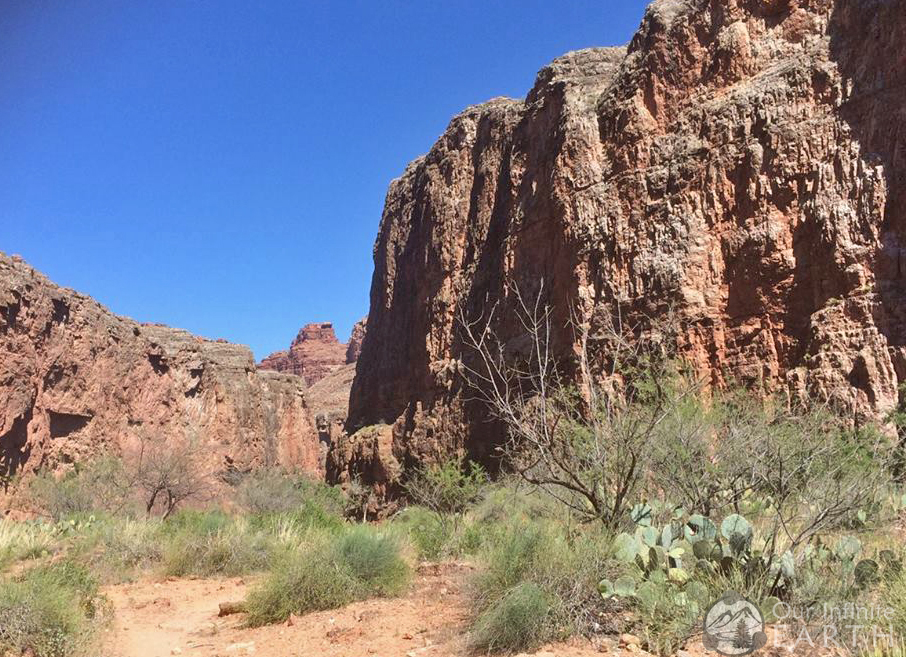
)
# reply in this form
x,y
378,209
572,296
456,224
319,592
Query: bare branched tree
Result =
x,y
580,428
167,475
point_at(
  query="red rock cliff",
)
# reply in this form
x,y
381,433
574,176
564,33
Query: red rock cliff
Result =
x,y
75,380
740,160
314,354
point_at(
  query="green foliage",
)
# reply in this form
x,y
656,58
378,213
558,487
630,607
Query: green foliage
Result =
x,y
446,488
374,560
518,621
431,537
272,491
99,485
893,594
539,555
232,550
325,571
49,611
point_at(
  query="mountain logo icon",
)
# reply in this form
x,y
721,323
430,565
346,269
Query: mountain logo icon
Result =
x,y
733,626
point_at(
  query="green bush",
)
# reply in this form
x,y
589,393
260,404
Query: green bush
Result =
x,y
234,550
447,488
520,620
374,560
424,529
119,547
894,597
49,611
272,491
100,485
566,568
328,571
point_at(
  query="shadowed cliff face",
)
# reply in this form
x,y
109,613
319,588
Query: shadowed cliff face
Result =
x,y
739,161
76,380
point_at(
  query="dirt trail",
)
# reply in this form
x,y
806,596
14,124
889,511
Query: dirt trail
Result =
x,y
179,617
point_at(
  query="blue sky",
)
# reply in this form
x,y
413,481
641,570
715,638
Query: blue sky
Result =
x,y
221,165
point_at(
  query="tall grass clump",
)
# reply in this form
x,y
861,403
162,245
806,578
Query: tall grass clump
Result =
x,y
538,584
518,620
328,571
49,611
20,540
205,544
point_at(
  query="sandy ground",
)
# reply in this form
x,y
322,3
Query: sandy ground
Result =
x,y
158,618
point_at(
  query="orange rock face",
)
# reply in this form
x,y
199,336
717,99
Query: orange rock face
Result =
x,y
314,354
740,161
75,380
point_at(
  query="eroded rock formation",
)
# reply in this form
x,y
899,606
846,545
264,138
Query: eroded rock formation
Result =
x,y
313,354
76,380
740,160
354,346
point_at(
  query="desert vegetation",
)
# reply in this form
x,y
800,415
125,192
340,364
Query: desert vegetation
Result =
x,y
625,505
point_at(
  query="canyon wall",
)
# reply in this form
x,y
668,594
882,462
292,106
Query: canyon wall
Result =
x,y
77,380
314,353
740,161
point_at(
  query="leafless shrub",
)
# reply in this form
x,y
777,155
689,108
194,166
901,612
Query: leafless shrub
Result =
x,y
582,428
166,475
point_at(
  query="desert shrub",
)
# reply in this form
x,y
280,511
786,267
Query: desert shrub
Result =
x,y
425,531
165,474
268,491
518,621
374,560
272,496
326,571
232,550
304,581
199,523
894,597
534,557
24,540
446,488
99,485
49,611
126,545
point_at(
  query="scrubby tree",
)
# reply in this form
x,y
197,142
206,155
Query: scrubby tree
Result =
x,y
579,428
167,475
446,488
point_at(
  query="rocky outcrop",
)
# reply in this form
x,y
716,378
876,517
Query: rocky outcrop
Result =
x,y
77,380
354,346
740,161
314,354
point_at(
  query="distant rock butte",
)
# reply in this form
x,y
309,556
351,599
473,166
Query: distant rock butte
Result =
x,y
76,380
316,352
741,161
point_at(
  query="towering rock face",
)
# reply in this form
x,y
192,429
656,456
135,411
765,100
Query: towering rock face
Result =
x,y
314,354
354,346
741,161
76,380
